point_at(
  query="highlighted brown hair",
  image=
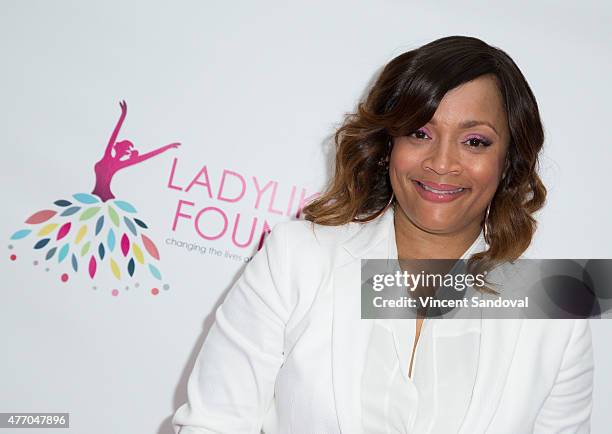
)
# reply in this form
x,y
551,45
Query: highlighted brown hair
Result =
x,y
405,97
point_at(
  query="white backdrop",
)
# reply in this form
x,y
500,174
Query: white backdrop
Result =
x,y
253,90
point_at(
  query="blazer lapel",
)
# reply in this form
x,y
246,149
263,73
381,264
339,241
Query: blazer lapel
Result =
x,y
497,345
350,333
485,361
471,360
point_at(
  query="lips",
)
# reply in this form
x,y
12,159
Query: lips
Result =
x,y
432,194
440,187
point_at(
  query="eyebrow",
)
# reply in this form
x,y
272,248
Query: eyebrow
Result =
x,y
471,123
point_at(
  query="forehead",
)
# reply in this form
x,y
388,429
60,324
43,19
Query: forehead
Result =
x,y
478,99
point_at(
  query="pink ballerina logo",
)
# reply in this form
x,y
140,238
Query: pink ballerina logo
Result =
x,y
97,229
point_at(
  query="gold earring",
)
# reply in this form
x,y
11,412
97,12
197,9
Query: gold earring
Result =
x,y
486,225
390,200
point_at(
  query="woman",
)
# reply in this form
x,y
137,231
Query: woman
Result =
x,y
438,162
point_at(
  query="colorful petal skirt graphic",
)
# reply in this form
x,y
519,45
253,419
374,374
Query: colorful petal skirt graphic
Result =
x,y
88,234
96,232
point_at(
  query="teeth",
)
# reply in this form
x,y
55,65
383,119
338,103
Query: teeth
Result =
x,y
433,190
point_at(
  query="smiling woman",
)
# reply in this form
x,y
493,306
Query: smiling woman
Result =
x,y
438,162
456,132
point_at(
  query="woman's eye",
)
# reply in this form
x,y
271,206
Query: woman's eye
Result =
x,y
419,134
478,141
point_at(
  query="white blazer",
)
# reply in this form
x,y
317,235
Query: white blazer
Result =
x,y
285,354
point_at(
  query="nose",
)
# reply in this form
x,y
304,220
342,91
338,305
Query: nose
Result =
x,y
443,158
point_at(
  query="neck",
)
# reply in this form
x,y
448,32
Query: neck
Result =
x,y
416,243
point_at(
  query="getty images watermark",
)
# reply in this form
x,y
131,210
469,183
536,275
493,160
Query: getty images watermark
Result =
x,y
525,288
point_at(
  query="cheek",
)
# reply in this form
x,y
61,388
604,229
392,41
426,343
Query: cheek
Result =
x,y
485,175
402,161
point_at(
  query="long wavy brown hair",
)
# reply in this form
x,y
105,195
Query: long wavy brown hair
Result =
x,y
405,97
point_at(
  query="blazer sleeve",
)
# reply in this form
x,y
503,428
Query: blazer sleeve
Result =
x,y
568,406
232,383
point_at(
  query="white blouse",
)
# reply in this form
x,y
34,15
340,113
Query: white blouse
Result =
x,y
392,402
